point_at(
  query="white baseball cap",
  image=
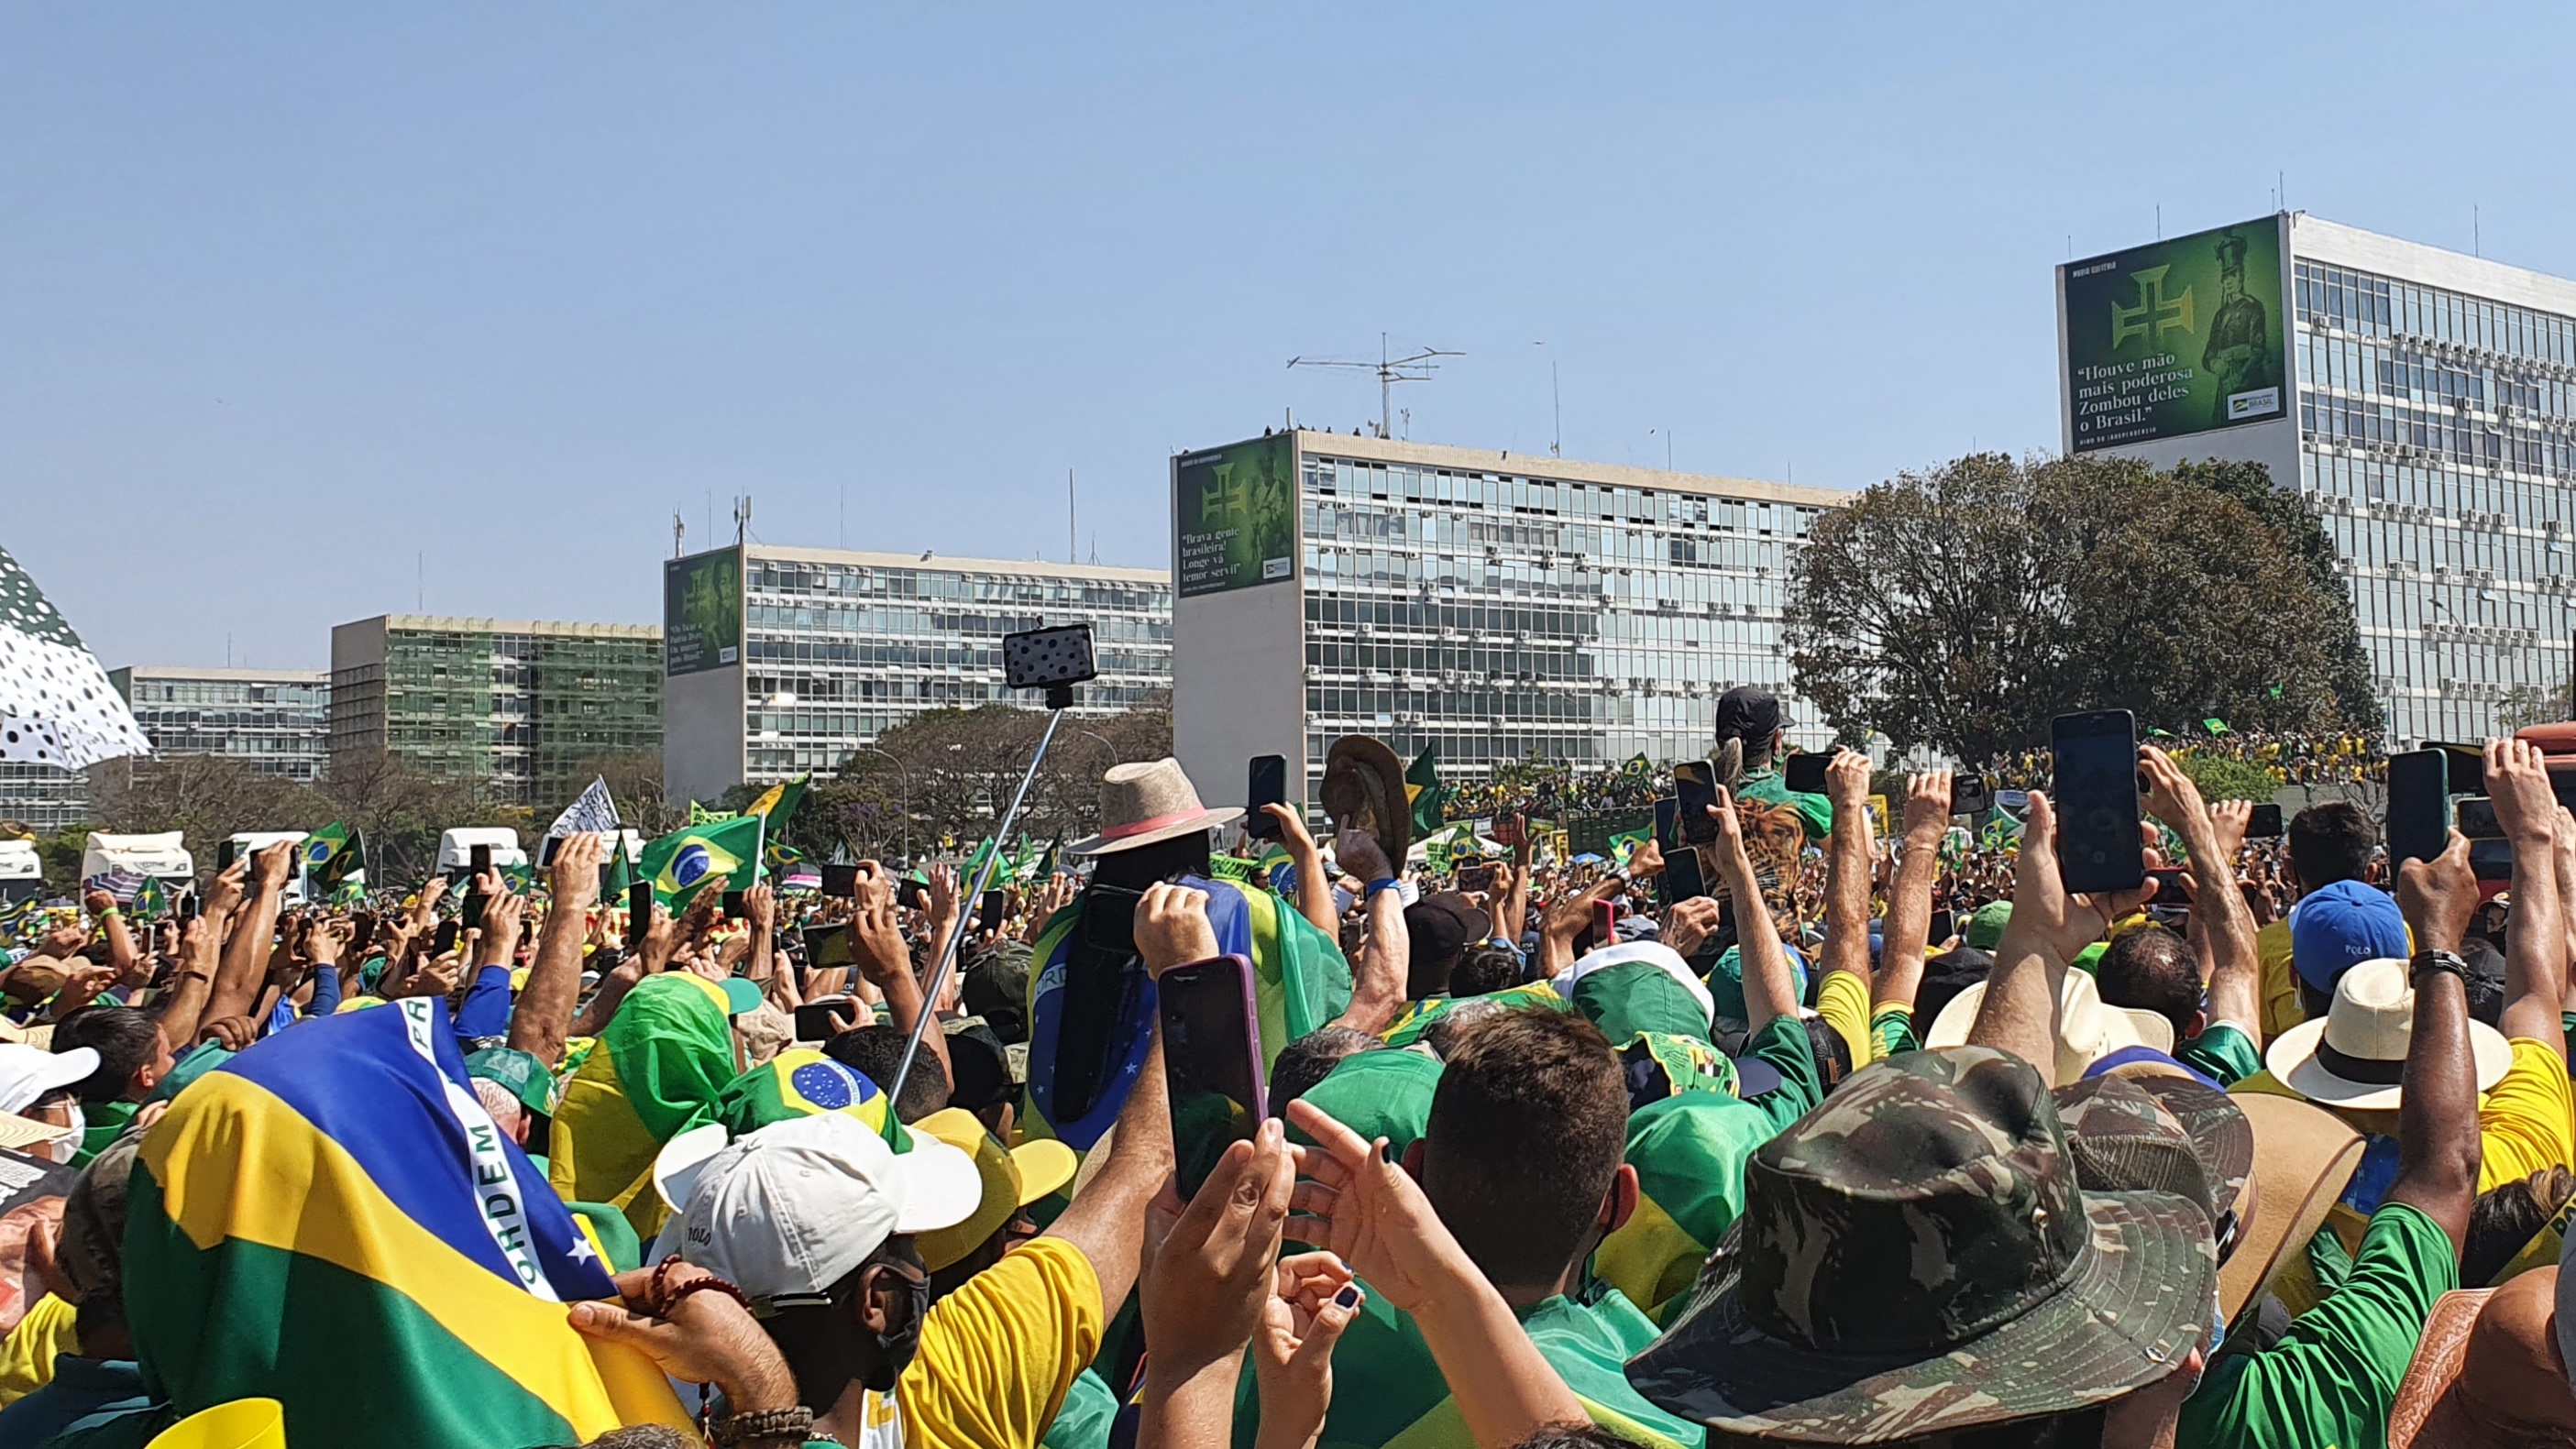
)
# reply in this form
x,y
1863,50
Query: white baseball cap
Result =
x,y
27,1073
786,1212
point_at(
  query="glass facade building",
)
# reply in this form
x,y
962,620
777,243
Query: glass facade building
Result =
x,y
1499,606
276,721
43,798
526,709
2434,435
838,646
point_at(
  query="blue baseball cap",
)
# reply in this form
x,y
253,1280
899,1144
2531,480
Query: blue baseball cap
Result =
x,y
2339,926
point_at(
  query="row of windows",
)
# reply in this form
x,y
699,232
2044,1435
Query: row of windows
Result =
x,y
941,623
770,576
984,658
1549,497
211,691
2384,307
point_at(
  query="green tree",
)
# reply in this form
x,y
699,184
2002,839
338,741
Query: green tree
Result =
x,y
1964,606
2223,777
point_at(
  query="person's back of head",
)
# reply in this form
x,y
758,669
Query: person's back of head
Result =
x,y
2331,842
1451,1028
1311,1058
2505,1218
876,1052
1525,1139
2153,969
1484,970
131,1053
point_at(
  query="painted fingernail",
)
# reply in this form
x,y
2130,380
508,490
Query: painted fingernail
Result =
x,y
1385,1150
1348,1297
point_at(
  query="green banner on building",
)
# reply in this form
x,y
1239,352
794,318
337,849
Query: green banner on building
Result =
x,y
2180,337
702,612
1234,517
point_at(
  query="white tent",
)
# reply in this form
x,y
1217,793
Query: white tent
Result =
x,y
56,706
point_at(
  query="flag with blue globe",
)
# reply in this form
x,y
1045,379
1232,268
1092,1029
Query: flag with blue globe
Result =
x,y
684,860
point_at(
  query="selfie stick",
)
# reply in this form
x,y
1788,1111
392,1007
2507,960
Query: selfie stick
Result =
x,y
965,914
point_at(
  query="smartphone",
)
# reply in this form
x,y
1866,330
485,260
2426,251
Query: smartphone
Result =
x,y
2466,767
1970,795
989,910
1605,923
1211,1062
1482,877
841,882
2264,823
1938,926
1668,813
1268,786
443,940
2418,794
639,912
732,904
224,853
1694,790
1508,830
2169,891
1109,918
187,909
2476,819
469,912
1682,879
1805,773
824,1020
827,946
912,895
546,851
2095,762
481,858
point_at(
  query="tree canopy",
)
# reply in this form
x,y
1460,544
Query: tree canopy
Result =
x,y
1964,606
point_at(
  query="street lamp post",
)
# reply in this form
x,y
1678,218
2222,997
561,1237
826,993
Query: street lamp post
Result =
x,y
905,775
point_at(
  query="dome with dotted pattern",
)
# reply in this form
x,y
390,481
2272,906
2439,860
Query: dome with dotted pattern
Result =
x,y
56,706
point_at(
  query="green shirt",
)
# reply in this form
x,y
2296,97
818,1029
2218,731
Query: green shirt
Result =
x,y
1768,787
2223,1053
2332,1379
1894,1028
1084,1421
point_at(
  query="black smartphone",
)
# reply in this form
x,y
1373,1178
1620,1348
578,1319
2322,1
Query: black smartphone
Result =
x,y
2476,819
224,853
639,912
443,940
1211,1062
1694,790
480,859
2418,799
733,905
912,895
1970,795
546,851
824,1020
1668,812
1268,786
2169,891
2466,767
1478,877
1682,879
1938,926
1805,773
990,909
2094,758
469,911
2264,823
841,882
1109,918
827,946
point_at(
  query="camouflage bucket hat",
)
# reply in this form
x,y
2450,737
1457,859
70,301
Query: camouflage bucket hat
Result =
x,y
1915,1257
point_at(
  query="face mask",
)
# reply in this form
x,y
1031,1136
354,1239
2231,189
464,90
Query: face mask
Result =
x,y
895,1350
62,1149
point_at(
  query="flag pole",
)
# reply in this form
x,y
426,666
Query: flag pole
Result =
x,y
966,913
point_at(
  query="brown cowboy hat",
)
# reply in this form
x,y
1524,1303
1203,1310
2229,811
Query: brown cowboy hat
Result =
x,y
1363,790
1144,801
2303,1156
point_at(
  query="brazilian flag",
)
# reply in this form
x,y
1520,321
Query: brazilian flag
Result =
x,y
777,805
802,1082
150,900
334,856
1422,788
687,858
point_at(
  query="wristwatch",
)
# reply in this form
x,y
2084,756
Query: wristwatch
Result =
x,y
2424,961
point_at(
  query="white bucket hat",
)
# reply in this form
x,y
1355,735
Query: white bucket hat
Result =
x,y
2355,1056
2088,1029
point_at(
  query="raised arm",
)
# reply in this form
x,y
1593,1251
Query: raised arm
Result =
x,y
1314,883
254,930
1511,903
2437,1113
1847,866
2019,1013
2218,907
877,946
1769,990
1378,976
2535,960
1909,889
542,1016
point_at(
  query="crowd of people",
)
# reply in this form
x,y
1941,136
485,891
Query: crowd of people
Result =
x,y
1780,1131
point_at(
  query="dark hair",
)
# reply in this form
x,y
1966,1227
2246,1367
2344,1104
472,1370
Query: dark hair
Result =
x,y
2504,1218
125,1039
1832,1053
1584,1435
1310,1058
2152,969
1525,1135
2486,980
1451,1027
875,1052
2331,842
1484,970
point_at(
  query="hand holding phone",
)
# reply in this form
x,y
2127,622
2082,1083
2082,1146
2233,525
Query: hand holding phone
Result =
x,y
1211,1062
639,913
2095,765
1804,774
2418,796
1268,786
1694,791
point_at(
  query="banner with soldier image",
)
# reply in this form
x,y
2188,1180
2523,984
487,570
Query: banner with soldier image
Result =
x,y
2175,338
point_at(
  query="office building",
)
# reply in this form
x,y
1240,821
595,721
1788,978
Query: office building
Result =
x,y
1499,605
2423,403
276,721
525,709
782,661
42,798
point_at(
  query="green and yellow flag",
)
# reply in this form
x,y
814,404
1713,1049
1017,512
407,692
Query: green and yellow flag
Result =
x,y
687,858
150,900
660,1067
1422,788
777,806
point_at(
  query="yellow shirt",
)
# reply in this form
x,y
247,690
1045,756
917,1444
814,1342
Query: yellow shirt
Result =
x,y
1842,999
27,1354
2281,1009
2524,1123
998,1355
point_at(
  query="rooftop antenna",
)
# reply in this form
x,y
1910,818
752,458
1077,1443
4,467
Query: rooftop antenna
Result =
x,y
741,519
1390,371
679,535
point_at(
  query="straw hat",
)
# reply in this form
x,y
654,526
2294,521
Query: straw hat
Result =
x,y
2303,1156
2087,1029
1146,801
2355,1056
1363,790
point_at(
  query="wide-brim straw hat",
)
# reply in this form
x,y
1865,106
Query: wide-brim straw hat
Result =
x,y
2089,1028
1363,790
2355,1055
1145,801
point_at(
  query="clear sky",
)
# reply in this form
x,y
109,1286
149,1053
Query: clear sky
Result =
x,y
310,310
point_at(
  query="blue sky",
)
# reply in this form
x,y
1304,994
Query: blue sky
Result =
x,y
295,299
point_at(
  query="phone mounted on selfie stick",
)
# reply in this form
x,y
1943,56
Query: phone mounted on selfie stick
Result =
x,y
1054,660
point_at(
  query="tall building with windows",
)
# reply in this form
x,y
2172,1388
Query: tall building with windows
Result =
x,y
782,661
42,797
2422,402
276,721
1498,605
523,707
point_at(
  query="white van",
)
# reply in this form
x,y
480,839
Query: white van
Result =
x,y
22,871
163,856
456,847
250,842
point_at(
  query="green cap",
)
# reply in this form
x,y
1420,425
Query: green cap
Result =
x,y
1986,927
1378,1094
742,994
525,1074
1640,996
